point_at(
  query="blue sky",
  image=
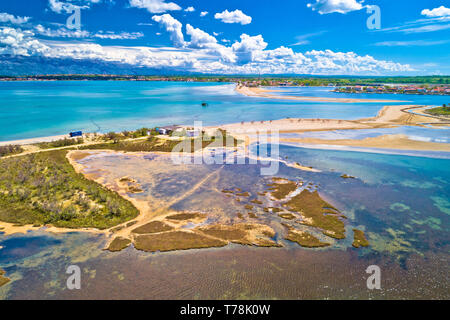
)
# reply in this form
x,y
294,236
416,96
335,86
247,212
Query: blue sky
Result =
x,y
329,37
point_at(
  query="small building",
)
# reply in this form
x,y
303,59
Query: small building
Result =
x,y
192,133
167,129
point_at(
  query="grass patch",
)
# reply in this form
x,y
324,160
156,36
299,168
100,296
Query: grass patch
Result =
x,y
439,111
119,244
359,239
230,233
10,150
281,188
3,280
153,227
287,216
176,240
43,188
60,143
151,144
313,209
305,239
186,216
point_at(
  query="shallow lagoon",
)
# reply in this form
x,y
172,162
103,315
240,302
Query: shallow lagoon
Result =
x,y
38,109
401,202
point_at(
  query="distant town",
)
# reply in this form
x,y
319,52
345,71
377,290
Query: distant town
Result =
x,y
436,85
403,89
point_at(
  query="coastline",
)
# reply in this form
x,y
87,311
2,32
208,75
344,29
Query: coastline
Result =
x,y
268,93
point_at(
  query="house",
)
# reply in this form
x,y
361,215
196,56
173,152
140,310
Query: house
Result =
x,y
167,129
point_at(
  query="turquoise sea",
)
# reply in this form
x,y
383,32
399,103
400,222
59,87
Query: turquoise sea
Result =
x,y
40,109
402,202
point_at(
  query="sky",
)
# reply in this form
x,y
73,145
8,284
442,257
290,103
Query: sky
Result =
x,y
319,37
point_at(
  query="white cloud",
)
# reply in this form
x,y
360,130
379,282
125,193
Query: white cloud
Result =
x,y
18,42
173,26
65,7
236,16
339,6
189,9
118,36
9,18
61,32
203,13
248,47
303,39
436,12
199,38
66,33
204,54
155,6
413,43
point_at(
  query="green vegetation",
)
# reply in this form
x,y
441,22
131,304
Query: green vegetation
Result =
x,y
10,150
439,111
3,280
264,79
186,216
303,238
151,144
316,213
43,188
359,239
287,216
281,188
175,240
60,143
153,227
119,244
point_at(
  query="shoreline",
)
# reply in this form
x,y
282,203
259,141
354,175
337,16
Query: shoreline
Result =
x,y
266,93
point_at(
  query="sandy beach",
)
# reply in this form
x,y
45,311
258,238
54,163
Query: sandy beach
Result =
x,y
270,93
387,117
391,141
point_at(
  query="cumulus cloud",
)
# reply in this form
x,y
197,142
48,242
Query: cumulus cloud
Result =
x,y
18,42
248,47
203,13
155,6
202,54
9,18
436,12
66,33
173,26
236,16
65,7
189,9
199,38
339,6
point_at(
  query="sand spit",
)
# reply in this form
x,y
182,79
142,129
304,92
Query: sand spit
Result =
x,y
387,117
266,93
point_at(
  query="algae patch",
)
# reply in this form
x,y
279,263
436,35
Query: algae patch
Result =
x,y
315,213
119,244
303,238
3,280
359,239
153,227
175,240
280,188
